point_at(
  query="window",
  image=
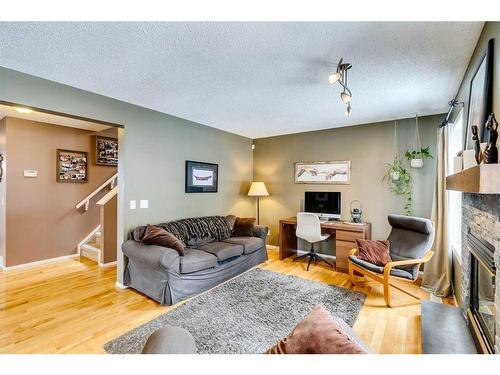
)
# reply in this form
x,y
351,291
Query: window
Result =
x,y
455,139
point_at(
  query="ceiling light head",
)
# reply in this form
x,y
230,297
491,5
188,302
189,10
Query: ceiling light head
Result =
x,y
334,77
346,98
348,110
23,110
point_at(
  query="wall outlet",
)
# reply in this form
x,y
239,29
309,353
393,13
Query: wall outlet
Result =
x,y
132,205
144,203
30,173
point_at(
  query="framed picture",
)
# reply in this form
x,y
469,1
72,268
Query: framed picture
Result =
x,y
323,172
201,177
480,98
106,151
71,166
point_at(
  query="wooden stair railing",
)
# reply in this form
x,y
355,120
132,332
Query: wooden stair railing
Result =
x,y
86,201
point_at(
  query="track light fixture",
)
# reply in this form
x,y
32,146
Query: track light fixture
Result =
x,y
340,76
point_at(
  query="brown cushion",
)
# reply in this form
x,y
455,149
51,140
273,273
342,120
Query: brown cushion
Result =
x,y
160,237
317,333
243,227
231,219
374,251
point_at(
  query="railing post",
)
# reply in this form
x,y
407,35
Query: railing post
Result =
x,y
87,205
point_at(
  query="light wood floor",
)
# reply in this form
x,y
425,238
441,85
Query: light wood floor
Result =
x,y
72,306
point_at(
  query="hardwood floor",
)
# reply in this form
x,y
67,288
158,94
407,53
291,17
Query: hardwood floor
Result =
x,y
72,306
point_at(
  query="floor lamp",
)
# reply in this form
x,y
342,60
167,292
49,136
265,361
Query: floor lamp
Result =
x,y
258,189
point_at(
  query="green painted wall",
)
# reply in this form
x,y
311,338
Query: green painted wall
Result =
x,y
154,148
368,147
491,30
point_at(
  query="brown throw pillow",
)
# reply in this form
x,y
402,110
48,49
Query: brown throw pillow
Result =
x,y
160,237
374,252
243,227
317,333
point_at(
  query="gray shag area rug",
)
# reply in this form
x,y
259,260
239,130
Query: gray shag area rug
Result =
x,y
246,315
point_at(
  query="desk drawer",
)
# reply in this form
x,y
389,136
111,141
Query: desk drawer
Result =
x,y
342,251
349,236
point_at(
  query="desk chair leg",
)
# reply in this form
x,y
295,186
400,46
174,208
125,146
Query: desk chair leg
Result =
x,y
309,263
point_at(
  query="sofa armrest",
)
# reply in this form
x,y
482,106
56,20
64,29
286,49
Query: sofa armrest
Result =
x,y
156,256
260,231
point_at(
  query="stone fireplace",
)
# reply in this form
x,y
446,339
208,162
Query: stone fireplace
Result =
x,y
480,254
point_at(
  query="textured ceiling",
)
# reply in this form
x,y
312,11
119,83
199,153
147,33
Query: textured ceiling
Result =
x,y
48,118
253,79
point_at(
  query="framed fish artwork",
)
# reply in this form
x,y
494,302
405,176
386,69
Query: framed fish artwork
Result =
x,y
323,172
201,177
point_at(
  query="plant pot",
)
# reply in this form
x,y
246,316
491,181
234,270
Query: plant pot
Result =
x,y
395,175
417,163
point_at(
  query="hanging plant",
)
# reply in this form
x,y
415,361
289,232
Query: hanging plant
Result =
x,y
398,178
416,158
418,154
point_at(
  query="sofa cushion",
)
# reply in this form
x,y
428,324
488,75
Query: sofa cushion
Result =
x,y
222,250
196,260
378,269
250,244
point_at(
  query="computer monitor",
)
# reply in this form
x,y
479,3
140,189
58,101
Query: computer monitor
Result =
x,y
325,204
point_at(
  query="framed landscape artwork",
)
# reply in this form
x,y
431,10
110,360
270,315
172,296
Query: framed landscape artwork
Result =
x,y
480,98
201,177
106,151
71,166
323,172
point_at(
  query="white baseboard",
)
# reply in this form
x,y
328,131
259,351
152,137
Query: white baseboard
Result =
x,y
40,262
106,265
120,286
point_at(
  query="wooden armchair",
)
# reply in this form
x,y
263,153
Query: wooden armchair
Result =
x,y
410,240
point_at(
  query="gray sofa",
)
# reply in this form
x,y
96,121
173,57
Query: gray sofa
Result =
x,y
165,276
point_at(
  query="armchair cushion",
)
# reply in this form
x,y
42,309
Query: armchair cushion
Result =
x,y
374,251
378,269
410,238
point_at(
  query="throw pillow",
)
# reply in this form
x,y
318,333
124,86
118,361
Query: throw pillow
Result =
x,y
231,219
160,237
243,227
317,333
374,252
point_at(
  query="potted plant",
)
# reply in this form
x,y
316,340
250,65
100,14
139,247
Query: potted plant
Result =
x,y
416,157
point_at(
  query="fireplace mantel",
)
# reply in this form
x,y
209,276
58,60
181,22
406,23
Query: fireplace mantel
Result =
x,y
482,179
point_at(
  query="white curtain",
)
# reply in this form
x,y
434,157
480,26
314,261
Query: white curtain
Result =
x,y
437,272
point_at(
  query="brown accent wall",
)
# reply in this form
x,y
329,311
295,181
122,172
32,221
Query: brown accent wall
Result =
x,y
41,219
108,230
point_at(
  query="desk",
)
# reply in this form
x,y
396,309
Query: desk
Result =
x,y
345,235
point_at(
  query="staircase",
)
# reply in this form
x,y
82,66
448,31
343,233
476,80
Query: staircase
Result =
x,y
91,248
100,245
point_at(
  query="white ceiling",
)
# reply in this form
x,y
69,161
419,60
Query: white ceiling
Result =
x,y
253,79
8,111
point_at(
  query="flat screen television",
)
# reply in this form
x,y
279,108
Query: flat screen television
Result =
x,y
325,204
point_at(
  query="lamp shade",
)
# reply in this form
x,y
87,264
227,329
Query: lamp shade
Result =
x,y
258,189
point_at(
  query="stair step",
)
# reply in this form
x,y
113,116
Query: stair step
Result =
x,y
90,251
